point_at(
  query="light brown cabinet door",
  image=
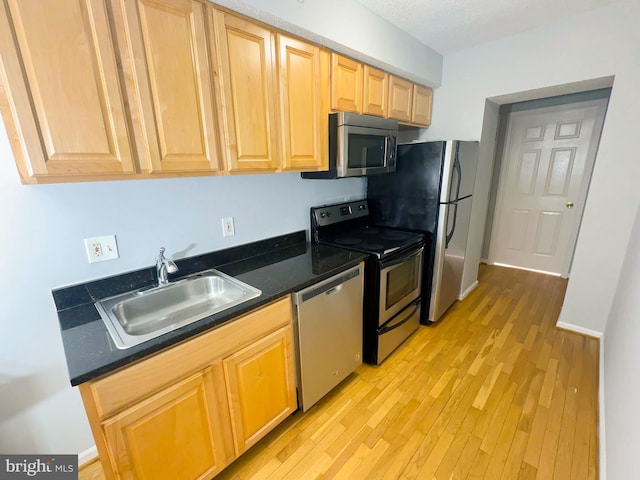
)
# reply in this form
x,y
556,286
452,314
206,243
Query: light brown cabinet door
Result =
x,y
422,105
303,110
346,84
171,88
172,434
246,63
376,90
63,107
260,387
400,98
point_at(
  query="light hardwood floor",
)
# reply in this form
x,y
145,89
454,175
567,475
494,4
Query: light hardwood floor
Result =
x,y
493,391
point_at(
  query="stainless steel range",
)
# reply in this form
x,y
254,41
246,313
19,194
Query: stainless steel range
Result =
x,y
393,273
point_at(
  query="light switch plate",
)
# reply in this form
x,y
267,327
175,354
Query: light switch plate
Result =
x,y
100,249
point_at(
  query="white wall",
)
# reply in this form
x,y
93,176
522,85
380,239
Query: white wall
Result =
x,y
348,27
595,44
480,197
621,381
41,232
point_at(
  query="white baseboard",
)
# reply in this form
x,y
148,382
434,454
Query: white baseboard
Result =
x,y
464,294
87,456
578,329
602,452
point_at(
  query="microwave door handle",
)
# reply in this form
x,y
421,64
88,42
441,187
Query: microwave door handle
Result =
x,y
391,152
387,147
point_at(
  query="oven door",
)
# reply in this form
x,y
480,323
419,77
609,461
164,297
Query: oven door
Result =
x,y
400,283
365,151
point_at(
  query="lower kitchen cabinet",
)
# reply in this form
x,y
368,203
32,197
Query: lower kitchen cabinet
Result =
x,y
260,391
189,411
173,434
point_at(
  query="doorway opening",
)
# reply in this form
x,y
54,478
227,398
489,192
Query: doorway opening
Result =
x,y
544,154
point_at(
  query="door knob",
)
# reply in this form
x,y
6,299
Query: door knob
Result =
x,y
569,204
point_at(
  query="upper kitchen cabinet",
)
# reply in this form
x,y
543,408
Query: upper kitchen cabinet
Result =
x,y
248,93
361,88
400,99
303,80
376,87
171,85
422,105
346,84
61,98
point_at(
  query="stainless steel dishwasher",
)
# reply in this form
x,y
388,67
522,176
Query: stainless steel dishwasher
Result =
x,y
328,331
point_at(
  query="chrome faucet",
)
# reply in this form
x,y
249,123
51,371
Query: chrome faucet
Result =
x,y
164,266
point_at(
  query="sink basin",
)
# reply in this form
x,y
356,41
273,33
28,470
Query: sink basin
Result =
x,y
136,317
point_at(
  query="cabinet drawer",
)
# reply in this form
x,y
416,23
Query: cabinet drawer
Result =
x,y
115,391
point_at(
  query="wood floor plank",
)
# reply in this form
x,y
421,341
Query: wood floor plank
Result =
x,y
481,399
440,449
493,390
513,463
394,469
503,444
479,466
549,449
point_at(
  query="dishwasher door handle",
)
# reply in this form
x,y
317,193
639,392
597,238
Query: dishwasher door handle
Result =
x,y
334,290
329,286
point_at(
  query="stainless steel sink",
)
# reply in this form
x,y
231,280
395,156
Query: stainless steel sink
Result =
x,y
135,317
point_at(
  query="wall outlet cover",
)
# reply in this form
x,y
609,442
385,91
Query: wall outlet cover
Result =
x,y
228,228
100,249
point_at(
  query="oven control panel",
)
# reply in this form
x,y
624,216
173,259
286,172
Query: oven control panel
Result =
x,y
340,212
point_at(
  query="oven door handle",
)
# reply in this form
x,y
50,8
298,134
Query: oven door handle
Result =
x,y
402,259
392,326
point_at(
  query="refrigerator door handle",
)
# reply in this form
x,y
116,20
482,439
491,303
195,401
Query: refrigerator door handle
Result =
x,y
458,170
453,226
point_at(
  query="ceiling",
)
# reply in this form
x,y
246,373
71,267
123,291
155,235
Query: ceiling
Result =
x,y
451,25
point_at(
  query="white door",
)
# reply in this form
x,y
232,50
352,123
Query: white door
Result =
x,y
546,167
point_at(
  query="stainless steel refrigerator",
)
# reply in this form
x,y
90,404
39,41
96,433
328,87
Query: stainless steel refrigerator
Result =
x,y
431,193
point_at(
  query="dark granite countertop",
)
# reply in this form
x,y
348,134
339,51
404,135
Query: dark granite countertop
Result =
x,y
277,266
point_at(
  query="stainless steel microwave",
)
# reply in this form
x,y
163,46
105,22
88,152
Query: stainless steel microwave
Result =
x,y
359,145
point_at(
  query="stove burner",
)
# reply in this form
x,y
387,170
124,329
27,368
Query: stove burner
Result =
x,y
392,235
371,231
347,240
372,246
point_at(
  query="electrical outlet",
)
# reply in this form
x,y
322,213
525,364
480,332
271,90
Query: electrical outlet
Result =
x,y
227,227
100,249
